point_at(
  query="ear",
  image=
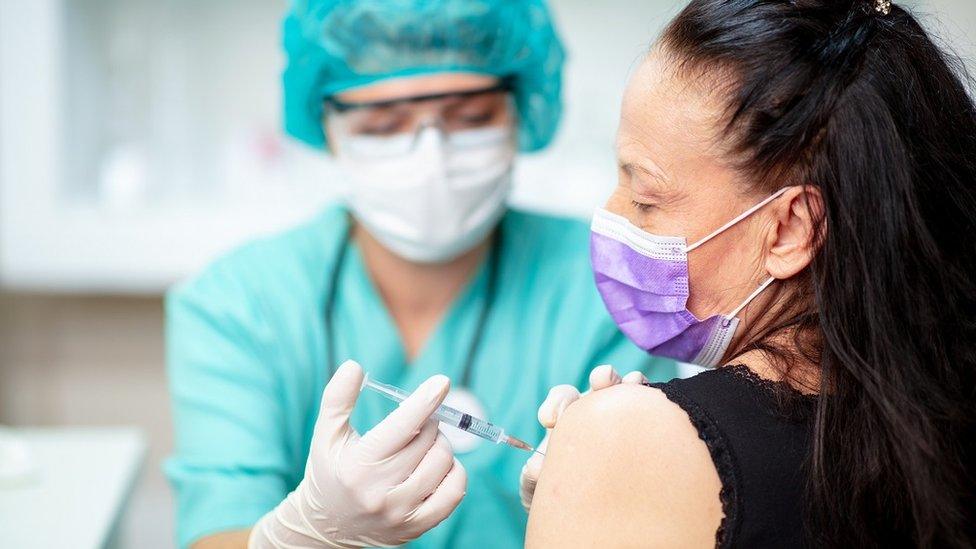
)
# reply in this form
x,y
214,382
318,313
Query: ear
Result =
x,y
794,239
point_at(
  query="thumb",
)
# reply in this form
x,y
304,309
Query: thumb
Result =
x,y
530,472
339,397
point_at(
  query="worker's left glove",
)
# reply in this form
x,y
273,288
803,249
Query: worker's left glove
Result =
x,y
559,398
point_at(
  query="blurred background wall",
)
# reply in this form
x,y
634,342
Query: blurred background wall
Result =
x,y
139,138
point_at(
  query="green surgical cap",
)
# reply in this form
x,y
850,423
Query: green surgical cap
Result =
x,y
335,45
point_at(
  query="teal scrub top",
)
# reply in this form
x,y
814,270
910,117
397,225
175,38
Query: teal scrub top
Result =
x,y
247,365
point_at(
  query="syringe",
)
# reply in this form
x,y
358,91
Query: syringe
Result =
x,y
450,416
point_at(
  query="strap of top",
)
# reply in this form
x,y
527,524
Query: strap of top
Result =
x,y
758,434
718,449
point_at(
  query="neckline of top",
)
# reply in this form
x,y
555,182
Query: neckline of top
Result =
x,y
777,387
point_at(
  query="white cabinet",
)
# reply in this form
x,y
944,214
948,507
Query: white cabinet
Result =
x,y
140,137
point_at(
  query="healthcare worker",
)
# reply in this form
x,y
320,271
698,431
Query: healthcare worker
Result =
x,y
420,273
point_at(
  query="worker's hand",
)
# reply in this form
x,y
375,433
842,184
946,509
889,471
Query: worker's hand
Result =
x,y
559,398
383,488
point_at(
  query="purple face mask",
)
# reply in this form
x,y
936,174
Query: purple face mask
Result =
x,y
643,279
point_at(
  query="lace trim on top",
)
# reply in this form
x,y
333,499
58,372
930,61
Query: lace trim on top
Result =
x,y
791,404
776,387
723,459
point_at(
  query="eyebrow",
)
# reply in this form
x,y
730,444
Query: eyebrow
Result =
x,y
652,172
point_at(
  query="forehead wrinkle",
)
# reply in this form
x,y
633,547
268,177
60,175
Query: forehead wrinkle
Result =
x,y
641,159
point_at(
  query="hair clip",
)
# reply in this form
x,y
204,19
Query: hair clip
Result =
x,y
882,6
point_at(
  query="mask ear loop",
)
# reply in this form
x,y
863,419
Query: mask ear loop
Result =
x,y
756,292
737,219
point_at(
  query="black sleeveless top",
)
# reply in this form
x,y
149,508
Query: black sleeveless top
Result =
x,y
758,433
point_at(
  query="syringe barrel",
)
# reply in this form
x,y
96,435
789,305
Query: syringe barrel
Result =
x,y
482,428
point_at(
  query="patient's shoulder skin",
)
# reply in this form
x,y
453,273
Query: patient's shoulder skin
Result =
x,y
625,468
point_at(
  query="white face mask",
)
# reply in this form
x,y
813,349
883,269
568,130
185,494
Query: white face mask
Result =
x,y
437,201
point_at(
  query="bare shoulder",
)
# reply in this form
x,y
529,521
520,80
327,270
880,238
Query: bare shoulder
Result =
x,y
625,467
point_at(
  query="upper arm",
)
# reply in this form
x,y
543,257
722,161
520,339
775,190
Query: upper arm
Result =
x,y
230,464
625,467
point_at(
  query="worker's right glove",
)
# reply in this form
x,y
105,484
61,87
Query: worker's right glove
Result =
x,y
384,488
559,398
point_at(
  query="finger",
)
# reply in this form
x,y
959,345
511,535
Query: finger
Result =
x,y
556,401
339,397
406,460
444,500
530,476
635,377
603,376
403,424
428,474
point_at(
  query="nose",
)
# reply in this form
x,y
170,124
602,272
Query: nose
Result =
x,y
429,135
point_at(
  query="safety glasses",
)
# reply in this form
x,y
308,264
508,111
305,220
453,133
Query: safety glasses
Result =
x,y
391,127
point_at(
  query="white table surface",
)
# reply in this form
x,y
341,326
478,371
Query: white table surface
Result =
x,y
82,481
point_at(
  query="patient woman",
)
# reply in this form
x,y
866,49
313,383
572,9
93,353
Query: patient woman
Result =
x,y
796,198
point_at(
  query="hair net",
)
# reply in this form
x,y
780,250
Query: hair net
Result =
x,y
334,45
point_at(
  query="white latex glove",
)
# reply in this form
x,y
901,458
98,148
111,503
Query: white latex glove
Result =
x,y
559,398
384,488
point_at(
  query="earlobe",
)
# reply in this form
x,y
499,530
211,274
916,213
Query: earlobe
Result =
x,y
795,239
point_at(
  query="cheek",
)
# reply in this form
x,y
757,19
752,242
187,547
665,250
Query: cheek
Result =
x,y
718,270
620,203
704,271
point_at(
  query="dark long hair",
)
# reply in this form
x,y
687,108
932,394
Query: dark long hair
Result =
x,y
864,106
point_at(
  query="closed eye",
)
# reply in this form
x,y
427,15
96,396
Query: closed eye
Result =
x,y
642,206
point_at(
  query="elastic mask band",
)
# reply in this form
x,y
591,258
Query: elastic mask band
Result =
x,y
737,219
752,296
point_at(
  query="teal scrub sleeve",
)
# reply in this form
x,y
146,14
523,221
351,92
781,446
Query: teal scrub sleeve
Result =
x,y
230,466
